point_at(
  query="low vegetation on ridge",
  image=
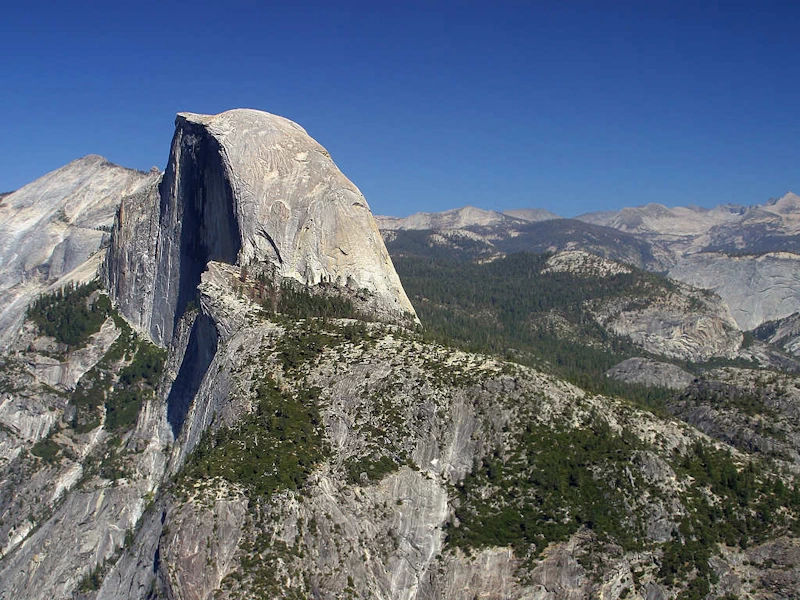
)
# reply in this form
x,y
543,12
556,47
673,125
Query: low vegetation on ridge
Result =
x,y
113,390
515,308
71,314
274,447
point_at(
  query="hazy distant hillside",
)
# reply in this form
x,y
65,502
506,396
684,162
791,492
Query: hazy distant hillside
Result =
x,y
772,226
457,218
725,249
769,227
532,214
657,218
544,236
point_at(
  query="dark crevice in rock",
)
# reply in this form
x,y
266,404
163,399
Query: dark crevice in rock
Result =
x,y
196,186
272,243
157,559
199,353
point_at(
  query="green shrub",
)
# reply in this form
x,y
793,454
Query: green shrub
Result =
x,y
547,489
303,344
750,507
275,447
67,315
46,449
375,470
129,371
298,302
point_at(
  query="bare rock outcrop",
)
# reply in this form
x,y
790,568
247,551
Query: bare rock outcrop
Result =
x,y
756,288
246,187
584,264
650,372
275,456
685,323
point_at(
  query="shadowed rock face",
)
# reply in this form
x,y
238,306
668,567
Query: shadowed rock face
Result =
x,y
197,223
245,187
199,353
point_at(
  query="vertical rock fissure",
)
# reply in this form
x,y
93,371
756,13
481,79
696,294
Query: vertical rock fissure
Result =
x,y
204,225
200,351
206,216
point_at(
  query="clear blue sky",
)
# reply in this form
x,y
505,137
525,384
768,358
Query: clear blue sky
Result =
x,y
569,106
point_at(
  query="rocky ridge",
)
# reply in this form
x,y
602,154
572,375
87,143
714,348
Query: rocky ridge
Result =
x,y
457,218
684,323
651,373
744,254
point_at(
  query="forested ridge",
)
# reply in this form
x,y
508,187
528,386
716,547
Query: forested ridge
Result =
x,y
515,308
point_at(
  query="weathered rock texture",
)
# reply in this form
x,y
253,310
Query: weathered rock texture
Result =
x,y
52,226
584,264
382,537
784,333
67,516
683,323
397,436
756,288
651,373
249,188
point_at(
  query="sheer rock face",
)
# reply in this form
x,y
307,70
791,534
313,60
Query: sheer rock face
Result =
x,y
52,226
246,187
756,288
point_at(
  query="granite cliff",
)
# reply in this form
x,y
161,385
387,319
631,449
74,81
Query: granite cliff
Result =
x,y
248,188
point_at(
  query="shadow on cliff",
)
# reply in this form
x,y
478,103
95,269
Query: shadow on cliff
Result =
x,y
198,201
200,352
209,230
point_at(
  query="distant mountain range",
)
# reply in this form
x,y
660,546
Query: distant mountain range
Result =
x,y
747,254
772,226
